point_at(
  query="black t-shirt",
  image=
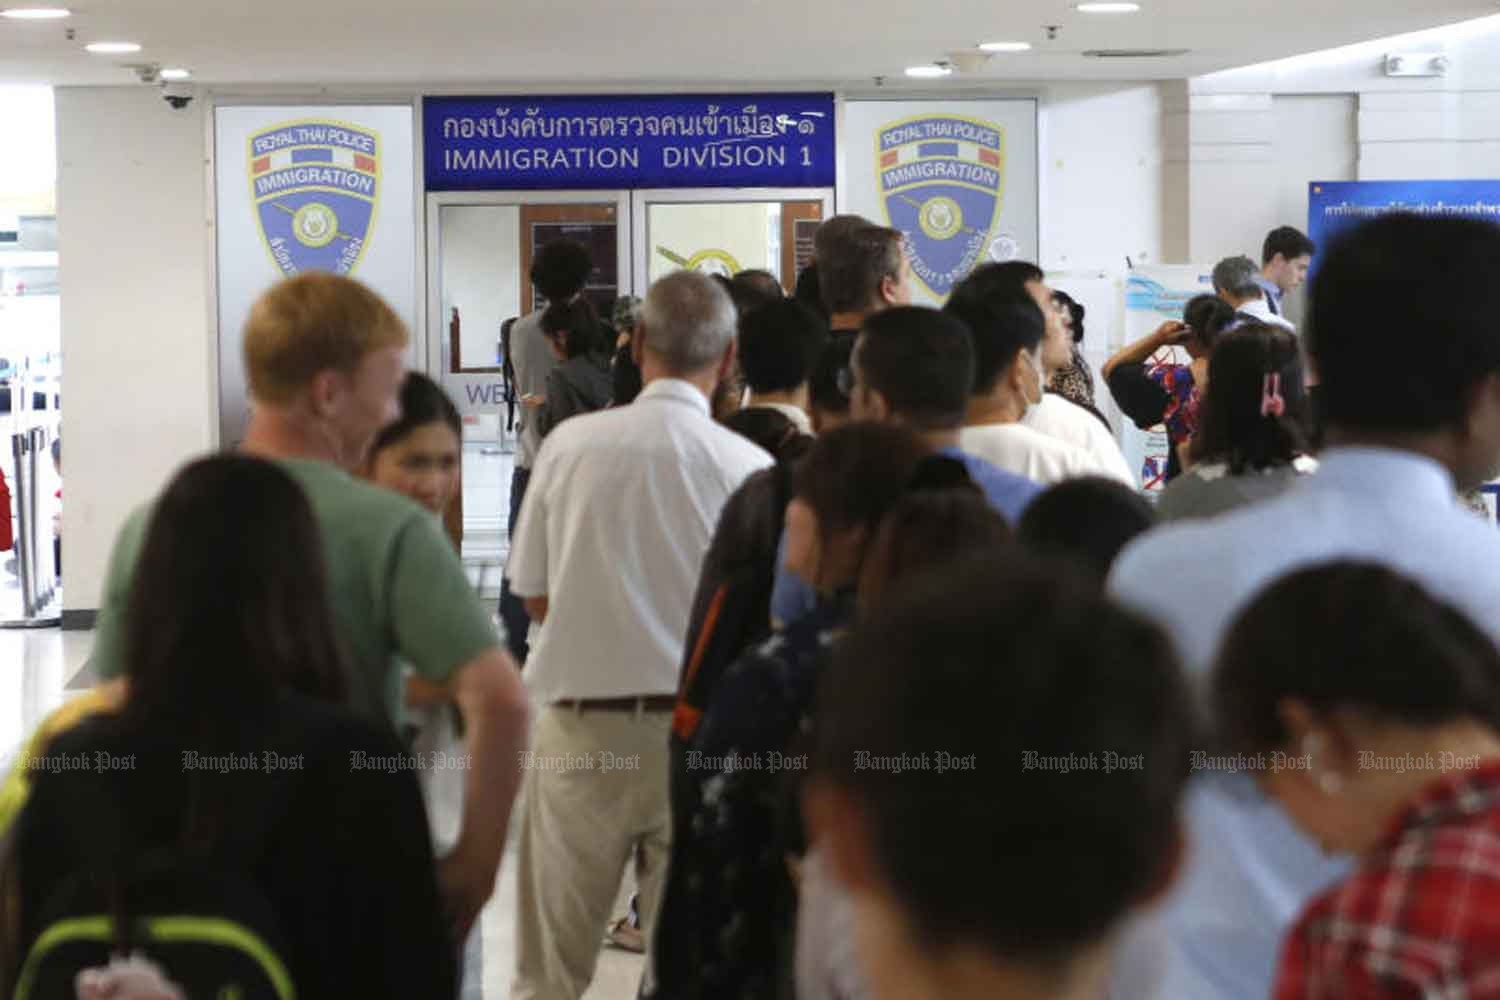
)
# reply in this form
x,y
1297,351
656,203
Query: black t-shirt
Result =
x,y
341,852
1144,401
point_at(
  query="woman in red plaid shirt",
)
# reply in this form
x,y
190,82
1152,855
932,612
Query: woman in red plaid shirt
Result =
x,y
1372,712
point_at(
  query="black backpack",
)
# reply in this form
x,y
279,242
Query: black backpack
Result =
x,y
738,615
192,911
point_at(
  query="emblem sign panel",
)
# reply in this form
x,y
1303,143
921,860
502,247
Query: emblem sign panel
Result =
x,y
308,188
958,178
316,185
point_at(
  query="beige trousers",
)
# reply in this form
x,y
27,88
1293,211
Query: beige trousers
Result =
x,y
596,795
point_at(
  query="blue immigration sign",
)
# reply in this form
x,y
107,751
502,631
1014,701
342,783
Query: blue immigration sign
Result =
x,y
942,181
626,141
1333,207
315,186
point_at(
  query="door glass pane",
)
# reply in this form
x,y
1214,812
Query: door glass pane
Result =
x,y
486,254
728,237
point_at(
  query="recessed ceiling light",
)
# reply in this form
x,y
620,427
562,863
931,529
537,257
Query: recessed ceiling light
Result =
x,y
1112,7
928,72
36,13
1005,46
112,48
175,74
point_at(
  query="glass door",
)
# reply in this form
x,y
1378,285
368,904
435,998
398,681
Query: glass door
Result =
x,y
479,253
725,231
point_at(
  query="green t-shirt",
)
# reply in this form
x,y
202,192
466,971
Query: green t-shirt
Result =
x,y
396,586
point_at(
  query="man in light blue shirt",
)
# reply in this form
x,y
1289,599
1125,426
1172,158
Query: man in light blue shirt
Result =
x,y
1405,336
1284,257
914,366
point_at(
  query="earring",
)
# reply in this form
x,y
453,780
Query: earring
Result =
x,y
1330,783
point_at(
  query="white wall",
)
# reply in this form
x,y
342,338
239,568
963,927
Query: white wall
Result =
x,y
480,268
1406,128
1103,175
133,240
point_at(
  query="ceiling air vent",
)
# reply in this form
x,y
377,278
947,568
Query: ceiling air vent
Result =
x,y
1134,53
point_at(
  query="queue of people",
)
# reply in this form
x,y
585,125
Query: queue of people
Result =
x,y
906,690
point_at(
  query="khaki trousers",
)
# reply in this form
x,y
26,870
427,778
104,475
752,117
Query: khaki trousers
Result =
x,y
596,795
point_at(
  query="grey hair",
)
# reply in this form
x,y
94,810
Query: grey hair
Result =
x,y
689,321
1236,276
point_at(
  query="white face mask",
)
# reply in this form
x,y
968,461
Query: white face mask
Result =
x,y
1035,361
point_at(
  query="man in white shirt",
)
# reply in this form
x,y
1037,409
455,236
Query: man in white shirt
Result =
x,y
1237,282
1009,331
616,522
1056,416
1402,436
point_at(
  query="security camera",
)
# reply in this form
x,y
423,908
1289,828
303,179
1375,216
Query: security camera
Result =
x,y
178,95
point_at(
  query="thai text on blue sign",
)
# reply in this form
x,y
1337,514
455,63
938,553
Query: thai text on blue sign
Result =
x,y
670,141
1334,206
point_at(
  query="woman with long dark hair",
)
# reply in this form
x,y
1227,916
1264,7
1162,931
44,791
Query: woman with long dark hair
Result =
x,y
728,910
582,382
1250,443
245,790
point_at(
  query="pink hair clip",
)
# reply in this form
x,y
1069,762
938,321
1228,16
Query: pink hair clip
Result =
x,y
1271,403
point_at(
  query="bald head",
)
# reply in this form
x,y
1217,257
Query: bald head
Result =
x,y
688,321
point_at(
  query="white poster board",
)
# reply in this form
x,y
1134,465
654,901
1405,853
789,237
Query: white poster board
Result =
x,y
1103,299
959,178
316,187
1154,295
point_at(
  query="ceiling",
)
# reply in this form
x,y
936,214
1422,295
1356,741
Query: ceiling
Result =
x,y
582,43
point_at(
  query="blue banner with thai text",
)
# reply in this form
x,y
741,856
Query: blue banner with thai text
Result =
x,y
614,142
1336,206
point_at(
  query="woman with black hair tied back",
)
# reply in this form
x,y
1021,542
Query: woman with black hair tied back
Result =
x,y
942,519
1250,443
728,912
582,383
1370,711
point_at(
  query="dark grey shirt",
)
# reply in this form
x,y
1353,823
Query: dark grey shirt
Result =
x,y
578,385
532,357
1209,490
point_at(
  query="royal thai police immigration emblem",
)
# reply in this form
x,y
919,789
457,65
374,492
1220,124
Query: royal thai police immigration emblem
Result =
x,y
942,181
315,186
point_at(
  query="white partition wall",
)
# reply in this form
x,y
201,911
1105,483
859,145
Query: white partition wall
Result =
x,y
300,187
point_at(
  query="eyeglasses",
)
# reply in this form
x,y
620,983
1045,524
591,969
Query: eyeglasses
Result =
x,y
843,380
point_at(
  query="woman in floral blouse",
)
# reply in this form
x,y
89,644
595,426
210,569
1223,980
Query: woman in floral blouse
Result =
x,y
1152,389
